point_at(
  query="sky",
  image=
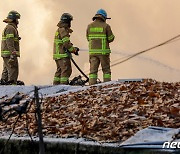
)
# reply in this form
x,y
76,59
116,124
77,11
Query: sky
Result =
x,y
136,24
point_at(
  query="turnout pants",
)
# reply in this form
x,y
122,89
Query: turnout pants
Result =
x,y
10,70
63,71
95,60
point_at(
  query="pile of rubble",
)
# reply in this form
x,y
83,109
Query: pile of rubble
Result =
x,y
109,113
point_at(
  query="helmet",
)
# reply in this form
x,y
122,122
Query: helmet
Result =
x,y
66,17
13,15
101,12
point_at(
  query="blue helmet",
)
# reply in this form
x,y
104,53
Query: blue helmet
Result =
x,y
102,13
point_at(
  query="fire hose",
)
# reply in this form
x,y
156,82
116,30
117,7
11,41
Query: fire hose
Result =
x,y
77,80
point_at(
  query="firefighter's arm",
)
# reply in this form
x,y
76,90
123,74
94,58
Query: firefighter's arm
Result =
x,y
67,43
87,33
10,34
110,35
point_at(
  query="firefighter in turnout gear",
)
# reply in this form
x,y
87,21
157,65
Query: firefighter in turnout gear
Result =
x,y
99,35
62,44
10,49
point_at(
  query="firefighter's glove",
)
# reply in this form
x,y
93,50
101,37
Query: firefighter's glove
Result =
x,y
14,53
76,51
11,61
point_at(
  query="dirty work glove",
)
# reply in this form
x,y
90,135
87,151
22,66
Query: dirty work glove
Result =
x,y
76,49
14,53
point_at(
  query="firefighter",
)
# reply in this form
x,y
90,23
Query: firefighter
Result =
x,y
99,35
10,49
62,44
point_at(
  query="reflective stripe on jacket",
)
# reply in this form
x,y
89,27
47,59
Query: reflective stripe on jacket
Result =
x,y
99,35
10,41
62,42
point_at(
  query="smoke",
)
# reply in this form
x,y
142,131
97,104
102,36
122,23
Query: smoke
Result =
x,y
33,61
137,25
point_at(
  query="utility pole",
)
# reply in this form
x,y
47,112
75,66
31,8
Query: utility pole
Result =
x,y
39,121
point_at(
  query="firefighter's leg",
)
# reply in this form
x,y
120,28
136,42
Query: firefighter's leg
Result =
x,y
66,70
4,76
57,75
94,64
13,71
105,63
